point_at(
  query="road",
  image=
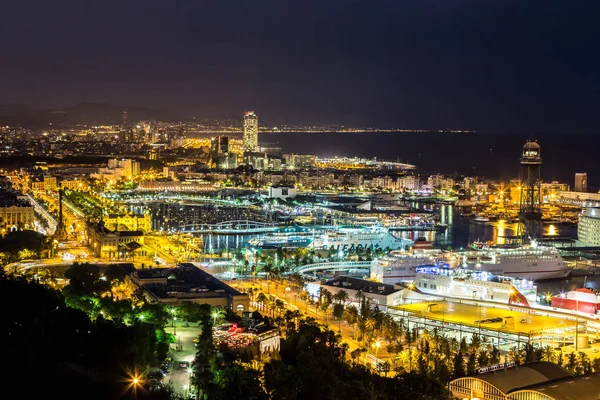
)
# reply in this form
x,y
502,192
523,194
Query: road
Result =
x,y
183,350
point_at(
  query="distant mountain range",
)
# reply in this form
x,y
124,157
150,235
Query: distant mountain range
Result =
x,y
82,113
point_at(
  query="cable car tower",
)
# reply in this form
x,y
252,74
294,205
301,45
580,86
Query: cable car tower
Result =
x,y
530,203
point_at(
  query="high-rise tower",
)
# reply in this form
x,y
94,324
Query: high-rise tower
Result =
x,y
250,132
580,182
530,205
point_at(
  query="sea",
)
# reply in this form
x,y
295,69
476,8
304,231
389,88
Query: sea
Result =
x,y
486,155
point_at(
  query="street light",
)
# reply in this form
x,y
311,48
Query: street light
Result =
x,y
377,345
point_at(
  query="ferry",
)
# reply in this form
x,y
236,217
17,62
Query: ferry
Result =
x,y
356,238
290,238
532,262
474,285
582,300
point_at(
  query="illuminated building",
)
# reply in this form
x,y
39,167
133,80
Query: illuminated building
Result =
x,y
118,168
282,192
219,144
250,132
71,184
154,154
221,157
131,222
588,229
39,185
111,245
176,186
15,212
580,182
409,182
303,161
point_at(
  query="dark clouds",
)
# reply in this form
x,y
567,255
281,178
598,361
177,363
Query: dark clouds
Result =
x,y
497,65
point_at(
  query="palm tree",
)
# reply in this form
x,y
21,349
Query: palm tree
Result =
x,y
261,299
572,362
514,354
342,296
370,324
548,354
360,297
217,313
279,305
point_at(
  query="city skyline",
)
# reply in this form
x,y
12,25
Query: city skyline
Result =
x,y
496,67
416,215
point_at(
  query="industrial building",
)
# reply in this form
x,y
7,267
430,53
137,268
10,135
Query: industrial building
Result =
x,y
533,381
172,286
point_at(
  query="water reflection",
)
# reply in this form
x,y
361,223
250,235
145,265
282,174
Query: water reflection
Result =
x,y
460,233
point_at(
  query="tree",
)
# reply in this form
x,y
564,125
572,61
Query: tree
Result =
x,y
548,354
338,310
279,305
514,355
217,314
459,369
572,362
83,277
261,299
341,296
483,359
384,368
471,363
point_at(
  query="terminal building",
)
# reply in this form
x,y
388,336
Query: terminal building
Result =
x,y
172,286
379,294
533,381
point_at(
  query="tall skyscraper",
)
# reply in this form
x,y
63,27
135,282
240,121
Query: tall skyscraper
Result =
x,y
580,182
250,132
219,144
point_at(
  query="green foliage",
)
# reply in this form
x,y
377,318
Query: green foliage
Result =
x,y
19,245
312,366
65,351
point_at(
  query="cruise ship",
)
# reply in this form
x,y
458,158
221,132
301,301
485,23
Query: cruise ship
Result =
x,y
353,238
475,285
531,262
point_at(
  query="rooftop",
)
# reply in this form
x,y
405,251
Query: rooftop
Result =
x,y
580,388
346,282
519,377
185,281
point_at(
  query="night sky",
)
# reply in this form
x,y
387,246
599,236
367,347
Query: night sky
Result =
x,y
491,65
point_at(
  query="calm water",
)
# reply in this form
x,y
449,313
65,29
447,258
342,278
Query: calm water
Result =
x,y
461,231
474,154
